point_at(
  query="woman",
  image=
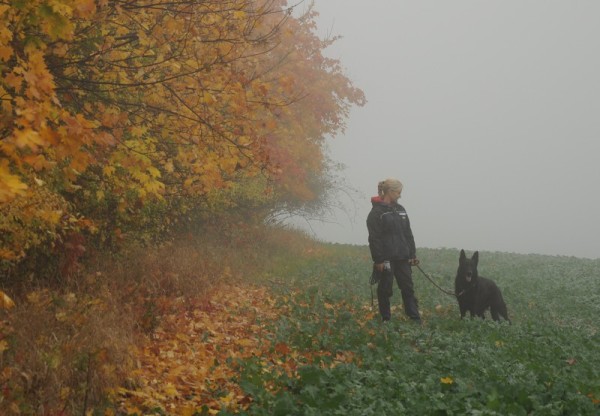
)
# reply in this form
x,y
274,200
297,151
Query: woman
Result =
x,y
392,248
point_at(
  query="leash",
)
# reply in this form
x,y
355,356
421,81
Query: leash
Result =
x,y
372,282
436,285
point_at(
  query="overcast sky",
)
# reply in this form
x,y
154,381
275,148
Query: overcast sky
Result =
x,y
487,111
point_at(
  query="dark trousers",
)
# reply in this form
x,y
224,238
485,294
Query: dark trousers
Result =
x,y
403,273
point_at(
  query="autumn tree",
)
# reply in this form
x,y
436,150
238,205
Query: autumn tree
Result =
x,y
122,115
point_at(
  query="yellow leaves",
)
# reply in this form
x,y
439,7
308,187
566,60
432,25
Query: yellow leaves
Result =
x,y
40,83
60,49
61,316
154,173
28,138
132,169
38,297
447,383
3,9
170,390
239,14
60,7
5,301
38,162
30,219
190,362
10,255
78,125
175,94
446,380
51,217
108,170
55,19
10,185
138,131
154,188
14,80
168,166
208,98
6,52
171,25
147,181
6,34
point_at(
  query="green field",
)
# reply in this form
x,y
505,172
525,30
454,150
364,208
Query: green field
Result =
x,y
546,363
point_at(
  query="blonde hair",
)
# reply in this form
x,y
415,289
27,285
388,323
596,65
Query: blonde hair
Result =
x,y
387,185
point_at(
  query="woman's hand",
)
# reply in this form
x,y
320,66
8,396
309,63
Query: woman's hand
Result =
x,y
378,267
414,262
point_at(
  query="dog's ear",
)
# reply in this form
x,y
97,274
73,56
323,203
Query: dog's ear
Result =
x,y
463,256
475,258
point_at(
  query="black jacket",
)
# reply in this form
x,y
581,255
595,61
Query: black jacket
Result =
x,y
390,236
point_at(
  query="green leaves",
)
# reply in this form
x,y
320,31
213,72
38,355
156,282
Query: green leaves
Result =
x,y
55,19
448,366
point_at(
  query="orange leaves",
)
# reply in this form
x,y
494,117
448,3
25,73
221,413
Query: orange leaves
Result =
x,y
28,138
190,361
5,53
10,185
6,302
6,34
185,102
84,8
282,348
33,217
55,338
40,84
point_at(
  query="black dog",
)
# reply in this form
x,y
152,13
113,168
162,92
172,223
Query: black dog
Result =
x,y
475,293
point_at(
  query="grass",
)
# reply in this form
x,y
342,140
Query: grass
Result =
x,y
63,347
67,344
545,363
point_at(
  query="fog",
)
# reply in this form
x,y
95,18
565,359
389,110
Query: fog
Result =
x,y
488,112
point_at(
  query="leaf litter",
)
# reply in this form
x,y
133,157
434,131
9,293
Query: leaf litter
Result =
x,y
190,363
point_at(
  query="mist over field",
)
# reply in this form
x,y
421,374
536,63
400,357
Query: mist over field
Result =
x,y
487,112
151,149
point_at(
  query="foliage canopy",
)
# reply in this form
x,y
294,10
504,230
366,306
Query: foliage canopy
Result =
x,y
122,115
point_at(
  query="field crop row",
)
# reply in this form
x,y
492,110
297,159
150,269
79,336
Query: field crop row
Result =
x,y
545,363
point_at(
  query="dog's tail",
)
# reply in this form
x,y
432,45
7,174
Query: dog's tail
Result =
x,y
502,311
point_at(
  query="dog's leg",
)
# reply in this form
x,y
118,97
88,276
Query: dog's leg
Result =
x,y
495,315
463,309
479,309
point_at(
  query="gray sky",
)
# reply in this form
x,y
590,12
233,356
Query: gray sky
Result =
x,y
487,111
